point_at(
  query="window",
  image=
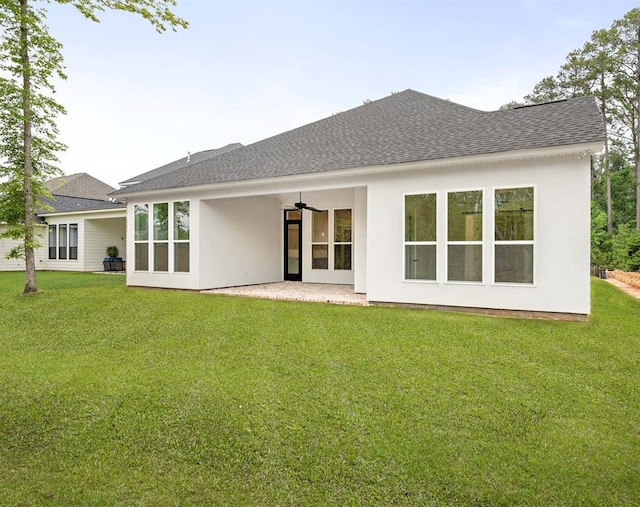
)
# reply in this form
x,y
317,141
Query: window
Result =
x,y
420,236
514,235
53,241
141,236
63,241
73,241
161,236
342,239
320,240
181,236
464,236
162,241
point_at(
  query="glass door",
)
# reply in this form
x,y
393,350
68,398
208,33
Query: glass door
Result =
x,y
293,246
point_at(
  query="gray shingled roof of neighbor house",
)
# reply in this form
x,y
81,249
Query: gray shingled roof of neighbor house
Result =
x,y
182,163
405,127
68,204
80,185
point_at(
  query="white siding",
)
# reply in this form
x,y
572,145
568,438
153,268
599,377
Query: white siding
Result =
x,y
99,233
18,264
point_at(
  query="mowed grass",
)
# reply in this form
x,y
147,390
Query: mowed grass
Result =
x,y
125,396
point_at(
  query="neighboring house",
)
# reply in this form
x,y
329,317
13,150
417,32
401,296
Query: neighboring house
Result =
x,y
423,201
75,233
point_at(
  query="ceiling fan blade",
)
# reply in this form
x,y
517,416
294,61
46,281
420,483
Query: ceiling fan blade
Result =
x,y
311,208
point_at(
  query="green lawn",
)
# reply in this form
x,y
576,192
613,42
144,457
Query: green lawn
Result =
x,y
117,396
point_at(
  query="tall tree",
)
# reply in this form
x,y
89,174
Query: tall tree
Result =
x,y
626,47
31,58
587,71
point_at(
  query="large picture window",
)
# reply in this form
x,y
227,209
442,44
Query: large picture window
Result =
x,y
514,235
420,228
162,236
464,236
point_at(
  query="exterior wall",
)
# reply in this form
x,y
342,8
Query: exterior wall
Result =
x,y
561,250
99,233
149,278
18,264
240,242
96,231
360,240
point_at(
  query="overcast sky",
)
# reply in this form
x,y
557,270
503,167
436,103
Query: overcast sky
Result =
x,y
248,69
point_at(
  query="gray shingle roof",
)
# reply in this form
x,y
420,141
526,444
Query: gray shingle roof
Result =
x,y
404,127
80,185
68,204
182,162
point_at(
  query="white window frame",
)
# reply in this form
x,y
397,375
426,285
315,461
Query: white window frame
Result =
x,y
143,241
481,243
333,238
326,243
533,242
171,241
67,245
419,243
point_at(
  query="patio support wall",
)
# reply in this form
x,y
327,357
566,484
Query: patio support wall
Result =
x,y
240,242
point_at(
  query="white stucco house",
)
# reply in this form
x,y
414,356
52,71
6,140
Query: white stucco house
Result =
x,y
81,222
417,200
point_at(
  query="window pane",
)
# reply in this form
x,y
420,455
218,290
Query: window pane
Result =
x,y
320,226
141,219
293,215
62,241
161,257
181,220
514,263
514,214
319,257
420,262
464,216
342,258
420,217
53,241
181,257
142,256
342,226
73,241
161,221
464,263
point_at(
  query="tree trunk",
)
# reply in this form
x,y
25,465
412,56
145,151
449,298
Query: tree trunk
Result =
x,y
637,136
607,174
29,254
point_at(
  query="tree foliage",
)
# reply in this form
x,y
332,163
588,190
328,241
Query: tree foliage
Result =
x,y
607,66
30,60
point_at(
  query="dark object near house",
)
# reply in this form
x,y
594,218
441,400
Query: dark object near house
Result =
x,y
114,264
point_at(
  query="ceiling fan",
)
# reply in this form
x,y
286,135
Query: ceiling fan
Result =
x,y
302,205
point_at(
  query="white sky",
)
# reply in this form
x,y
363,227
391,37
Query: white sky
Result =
x,y
248,69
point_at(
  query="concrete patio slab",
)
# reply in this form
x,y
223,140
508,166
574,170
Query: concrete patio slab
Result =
x,y
297,291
